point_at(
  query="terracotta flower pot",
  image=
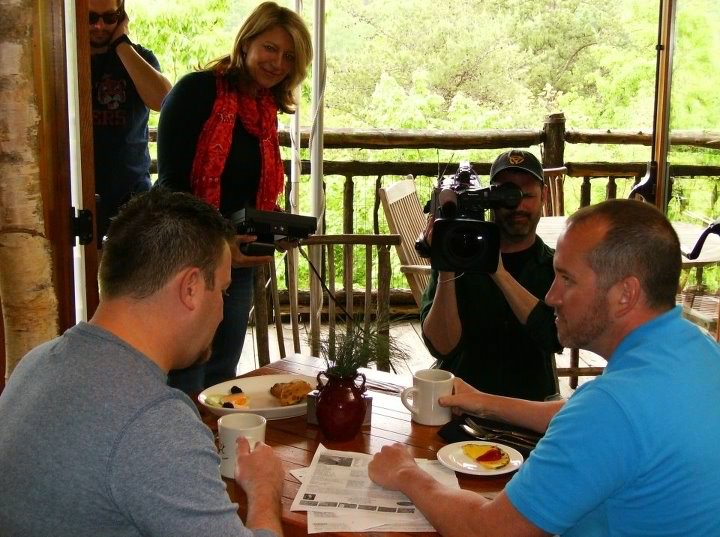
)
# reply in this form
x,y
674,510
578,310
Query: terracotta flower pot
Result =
x,y
340,406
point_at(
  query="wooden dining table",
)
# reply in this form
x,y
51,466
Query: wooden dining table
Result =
x,y
295,441
550,227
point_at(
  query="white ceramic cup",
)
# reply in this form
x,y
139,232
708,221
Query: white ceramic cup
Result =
x,y
231,426
422,398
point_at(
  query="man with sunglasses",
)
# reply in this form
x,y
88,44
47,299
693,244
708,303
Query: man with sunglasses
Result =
x,y
494,330
126,84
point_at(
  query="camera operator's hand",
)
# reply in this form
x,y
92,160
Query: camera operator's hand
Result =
x,y
239,259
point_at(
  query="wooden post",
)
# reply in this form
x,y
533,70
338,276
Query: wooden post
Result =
x,y
261,316
348,199
367,305
273,291
554,141
332,296
383,302
315,254
347,250
585,190
611,190
35,254
2,351
376,205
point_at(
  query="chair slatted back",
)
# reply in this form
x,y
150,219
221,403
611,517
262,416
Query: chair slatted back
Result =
x,y
405,217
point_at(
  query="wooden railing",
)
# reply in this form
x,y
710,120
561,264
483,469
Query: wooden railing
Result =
x,y
553,139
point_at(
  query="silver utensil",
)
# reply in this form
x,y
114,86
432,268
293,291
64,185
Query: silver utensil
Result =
x,y
512,442
534,438
472,432
482,434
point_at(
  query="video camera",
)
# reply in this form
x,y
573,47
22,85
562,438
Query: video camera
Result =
x,y
270,226
462,241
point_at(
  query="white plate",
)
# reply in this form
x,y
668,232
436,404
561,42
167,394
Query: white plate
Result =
x,y
260,401
453,457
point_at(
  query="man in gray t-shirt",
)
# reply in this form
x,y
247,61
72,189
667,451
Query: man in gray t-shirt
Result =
x,y
93,441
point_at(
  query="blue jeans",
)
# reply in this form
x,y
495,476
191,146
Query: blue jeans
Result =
x,y
228,340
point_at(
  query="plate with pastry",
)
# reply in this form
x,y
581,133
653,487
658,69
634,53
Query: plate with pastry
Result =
x,y
273,396
480,458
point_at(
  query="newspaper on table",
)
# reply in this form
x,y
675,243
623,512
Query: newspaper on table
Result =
x,y
339,496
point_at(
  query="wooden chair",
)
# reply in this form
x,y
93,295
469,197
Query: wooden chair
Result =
x,y
701,309
373,304
405,218
555,206
700,250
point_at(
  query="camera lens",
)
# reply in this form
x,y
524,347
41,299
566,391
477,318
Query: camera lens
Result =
x,y
465,245
465,242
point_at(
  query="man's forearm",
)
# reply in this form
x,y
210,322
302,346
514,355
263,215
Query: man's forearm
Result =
x,y
152,86
520,300
442,324
459,513
440,504
265,510
535,415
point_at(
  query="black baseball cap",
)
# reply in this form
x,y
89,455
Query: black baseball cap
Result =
x,y
517,159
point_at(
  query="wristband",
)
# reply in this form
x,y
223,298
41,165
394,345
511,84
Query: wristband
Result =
x,y
450,279
122,39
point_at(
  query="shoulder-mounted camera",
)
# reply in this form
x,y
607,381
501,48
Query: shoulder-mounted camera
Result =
x,y
462,240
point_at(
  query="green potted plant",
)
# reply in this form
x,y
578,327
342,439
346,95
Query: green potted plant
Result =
x,y
340,403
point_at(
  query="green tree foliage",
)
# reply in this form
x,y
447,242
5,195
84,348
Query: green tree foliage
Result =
x,y
183,35
470,65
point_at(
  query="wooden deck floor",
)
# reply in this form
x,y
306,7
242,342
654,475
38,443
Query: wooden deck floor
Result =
x,y
408,334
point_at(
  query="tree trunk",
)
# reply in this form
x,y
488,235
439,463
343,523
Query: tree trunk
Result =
x,y
29,304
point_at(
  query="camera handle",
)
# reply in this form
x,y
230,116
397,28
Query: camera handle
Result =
x,y
257,248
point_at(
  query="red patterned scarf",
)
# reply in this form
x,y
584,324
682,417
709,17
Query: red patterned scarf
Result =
x,y
259,117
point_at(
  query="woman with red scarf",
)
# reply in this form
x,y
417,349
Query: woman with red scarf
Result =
x,y
217,138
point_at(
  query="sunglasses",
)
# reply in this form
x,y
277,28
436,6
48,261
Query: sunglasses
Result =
x,y
108,18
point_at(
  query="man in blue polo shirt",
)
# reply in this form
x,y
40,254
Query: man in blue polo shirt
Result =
x,y
633,452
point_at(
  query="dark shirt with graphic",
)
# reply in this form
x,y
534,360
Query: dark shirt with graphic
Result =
x,y
120,134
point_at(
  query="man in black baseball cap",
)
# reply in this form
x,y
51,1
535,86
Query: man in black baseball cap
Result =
x,y
504,340
517,226
517,159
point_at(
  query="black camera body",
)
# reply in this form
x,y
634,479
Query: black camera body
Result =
x,y
270,226
462,240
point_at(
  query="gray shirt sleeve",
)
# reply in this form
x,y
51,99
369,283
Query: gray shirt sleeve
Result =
x,y
164,476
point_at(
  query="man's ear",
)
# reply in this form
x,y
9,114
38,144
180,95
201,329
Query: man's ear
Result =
x,y
191,283
626,295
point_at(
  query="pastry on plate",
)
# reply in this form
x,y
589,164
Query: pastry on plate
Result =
x,y
290,393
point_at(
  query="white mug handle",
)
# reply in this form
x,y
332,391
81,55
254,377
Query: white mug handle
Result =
x,y
405,395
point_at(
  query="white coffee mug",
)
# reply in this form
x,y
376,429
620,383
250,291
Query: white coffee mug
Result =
x,y
428,386
231,426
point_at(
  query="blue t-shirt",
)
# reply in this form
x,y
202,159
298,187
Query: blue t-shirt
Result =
x,y
637,450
